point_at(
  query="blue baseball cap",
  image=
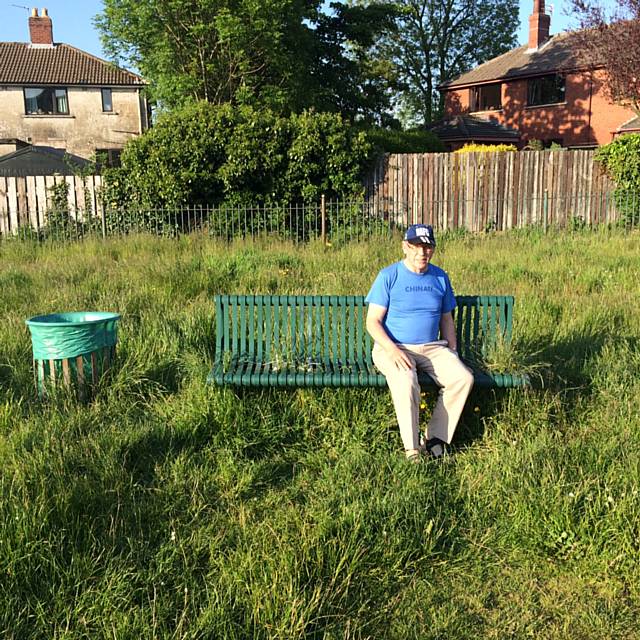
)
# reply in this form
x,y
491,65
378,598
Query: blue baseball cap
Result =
x,y
420,234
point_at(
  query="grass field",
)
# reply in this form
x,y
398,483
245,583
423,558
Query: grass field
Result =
x,y
169,509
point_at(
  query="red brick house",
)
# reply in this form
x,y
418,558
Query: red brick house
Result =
x,y
540,91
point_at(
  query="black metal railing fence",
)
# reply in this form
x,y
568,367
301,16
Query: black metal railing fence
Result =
x,y
329,221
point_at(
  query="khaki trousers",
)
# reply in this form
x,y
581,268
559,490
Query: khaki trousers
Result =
x,y
449,373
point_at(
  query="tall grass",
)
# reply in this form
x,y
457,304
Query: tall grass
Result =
x,y
169,509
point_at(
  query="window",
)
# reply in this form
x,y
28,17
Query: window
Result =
x,y
108,157
107,103
486,97
46,101
545,90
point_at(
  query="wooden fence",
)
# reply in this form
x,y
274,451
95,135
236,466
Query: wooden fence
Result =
x,y
25,200
479,191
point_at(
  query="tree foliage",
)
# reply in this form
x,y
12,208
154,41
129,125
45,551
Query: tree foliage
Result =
x,y
436,40
211,154
409,141
344,73
621,161
614,42
201,49
287,54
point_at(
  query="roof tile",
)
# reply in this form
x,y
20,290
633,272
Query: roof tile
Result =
x,y
556,54
466,127
22,63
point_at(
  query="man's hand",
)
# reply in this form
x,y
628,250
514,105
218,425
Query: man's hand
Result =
x,y
448,331
400,358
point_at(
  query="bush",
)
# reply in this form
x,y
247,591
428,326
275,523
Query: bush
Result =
x,y
485,148
621,161
210,155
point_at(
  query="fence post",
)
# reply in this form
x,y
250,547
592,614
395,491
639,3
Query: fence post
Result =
x,y
545,210
103,220
323,220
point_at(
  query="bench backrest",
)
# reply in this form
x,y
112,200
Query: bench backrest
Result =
x,y
331,329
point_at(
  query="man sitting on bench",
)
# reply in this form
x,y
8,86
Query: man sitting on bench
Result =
x,y
409,317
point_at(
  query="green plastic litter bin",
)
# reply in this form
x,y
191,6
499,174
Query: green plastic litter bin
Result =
x,y
72,349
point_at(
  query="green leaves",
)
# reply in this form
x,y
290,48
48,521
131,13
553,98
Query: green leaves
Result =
x,y
286,54
198,49
621,161
206,154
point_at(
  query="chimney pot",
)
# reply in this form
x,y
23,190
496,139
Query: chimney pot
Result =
x,y
45,13
34,13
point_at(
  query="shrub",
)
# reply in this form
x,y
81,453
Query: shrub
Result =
x,y
204,154
621,161
485,148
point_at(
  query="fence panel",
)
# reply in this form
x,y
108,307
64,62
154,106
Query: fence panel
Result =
x,y
477,191
25,201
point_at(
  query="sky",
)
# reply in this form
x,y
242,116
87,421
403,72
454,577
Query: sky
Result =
x,y
73,21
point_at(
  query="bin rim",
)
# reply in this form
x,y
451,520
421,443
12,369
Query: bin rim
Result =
x,y
71,318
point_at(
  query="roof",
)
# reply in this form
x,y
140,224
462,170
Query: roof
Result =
x,y
631,125
465,127
40,161
22,63
559,52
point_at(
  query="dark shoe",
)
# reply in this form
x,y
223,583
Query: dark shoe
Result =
x,y
436,448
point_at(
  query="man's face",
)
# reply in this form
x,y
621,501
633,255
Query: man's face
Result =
x,y
417,256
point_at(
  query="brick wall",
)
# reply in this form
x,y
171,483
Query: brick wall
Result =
x,y
587,117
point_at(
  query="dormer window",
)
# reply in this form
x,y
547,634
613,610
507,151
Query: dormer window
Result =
x,y
486,97
546,90
46,101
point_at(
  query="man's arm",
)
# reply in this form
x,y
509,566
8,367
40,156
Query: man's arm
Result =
x,y
375,318
448,330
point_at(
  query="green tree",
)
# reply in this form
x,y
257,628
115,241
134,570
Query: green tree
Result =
x,y
348,75
286,54
437,40
205,49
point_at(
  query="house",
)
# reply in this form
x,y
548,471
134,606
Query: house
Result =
x,y
54,95
545,90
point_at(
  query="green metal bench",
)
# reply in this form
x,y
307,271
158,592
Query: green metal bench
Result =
x,y
321,341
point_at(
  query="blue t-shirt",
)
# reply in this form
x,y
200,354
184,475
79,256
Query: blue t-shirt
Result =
x,y
415,302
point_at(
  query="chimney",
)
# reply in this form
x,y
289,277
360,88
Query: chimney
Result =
x,y
539,23
40,28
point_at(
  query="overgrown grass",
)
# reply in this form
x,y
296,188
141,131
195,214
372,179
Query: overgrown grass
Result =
x,y
169,509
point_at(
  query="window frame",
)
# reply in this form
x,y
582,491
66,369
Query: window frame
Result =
x,y
109,157
103,90
54,100
547,100
475,97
